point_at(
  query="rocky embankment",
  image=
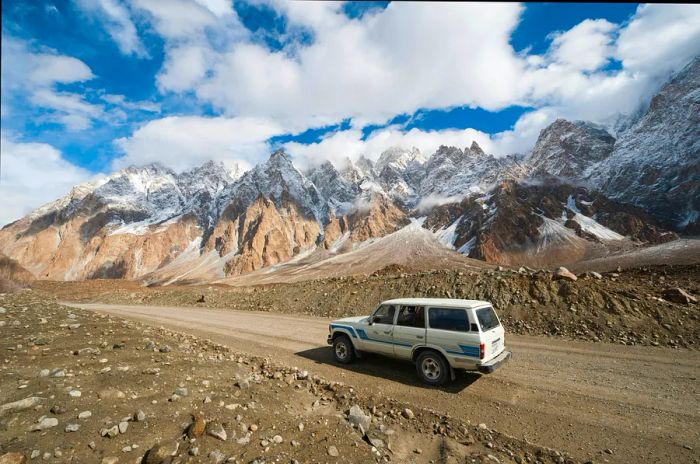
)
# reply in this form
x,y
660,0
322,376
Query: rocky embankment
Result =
x,y
81,387
644,306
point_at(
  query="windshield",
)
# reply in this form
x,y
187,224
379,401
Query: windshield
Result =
x,y
487,318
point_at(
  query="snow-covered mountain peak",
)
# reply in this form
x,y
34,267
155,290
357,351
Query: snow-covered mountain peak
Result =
x,y
399,158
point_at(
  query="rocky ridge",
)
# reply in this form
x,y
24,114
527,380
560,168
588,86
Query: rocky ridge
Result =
x,y
623,193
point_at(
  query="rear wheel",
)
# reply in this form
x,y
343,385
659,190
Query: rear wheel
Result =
x,y
432,368
343,351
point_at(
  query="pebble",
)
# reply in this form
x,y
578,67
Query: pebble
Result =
x,y
75,394
85,415
123,426
407,413
277,439
217,456
45,423
72,427
216,430
110,432
140,416
333,451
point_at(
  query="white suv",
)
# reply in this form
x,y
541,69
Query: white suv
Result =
x,y
438,335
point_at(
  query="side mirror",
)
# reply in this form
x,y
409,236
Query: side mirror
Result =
x,y
373,319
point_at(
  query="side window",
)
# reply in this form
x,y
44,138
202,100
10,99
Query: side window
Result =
x,y
385,314
448,319
411,316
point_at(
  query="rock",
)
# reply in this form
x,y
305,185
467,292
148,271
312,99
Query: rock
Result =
x,y
123,426
407,413
359,419
20,405
57,409
45,423
181,392
57,373
160,453
217,456
13,458
680,296
44,373
110,432
216,430
85,415
72,427
563,273
165,349
277,439
333,451
243,384
110,394
109,460
197,427
140,416
75,393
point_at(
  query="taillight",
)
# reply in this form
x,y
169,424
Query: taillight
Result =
x,y
482,351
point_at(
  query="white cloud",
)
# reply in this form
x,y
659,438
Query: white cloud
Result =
x,y
33,174
33,77
182,142
117,21
586,46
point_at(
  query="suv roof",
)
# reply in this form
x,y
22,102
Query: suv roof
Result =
x,y
448,302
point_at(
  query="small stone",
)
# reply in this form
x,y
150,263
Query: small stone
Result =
x,y
359,419
333,451
85,415
109,460
407,413
277,439
57,409
301,426
123,426
20,405
57,373
418,451
181,392
110,432
216,430
35,454
161,452
75,394
110,394
197,427
140,416
13,458
563,273
45,423
217,456
165,349
72,427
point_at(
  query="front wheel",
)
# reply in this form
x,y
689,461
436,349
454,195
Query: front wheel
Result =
x,y
343,351
432,368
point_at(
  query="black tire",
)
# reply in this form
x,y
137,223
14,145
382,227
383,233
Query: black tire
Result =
x,y
432,368
343,351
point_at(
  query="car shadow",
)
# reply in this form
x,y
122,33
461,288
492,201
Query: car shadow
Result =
x,y
389,368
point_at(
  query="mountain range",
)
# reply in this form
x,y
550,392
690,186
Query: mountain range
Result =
x,y
581,193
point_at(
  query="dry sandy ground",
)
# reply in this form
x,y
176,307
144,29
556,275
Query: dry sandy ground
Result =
x,y
595,401
78,386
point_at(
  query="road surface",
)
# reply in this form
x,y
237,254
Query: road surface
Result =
x,y
600,402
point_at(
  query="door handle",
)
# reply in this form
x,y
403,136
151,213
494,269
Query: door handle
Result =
x,y
419,336
387,332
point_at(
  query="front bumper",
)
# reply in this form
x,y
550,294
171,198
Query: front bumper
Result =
x,y
493,364
329,340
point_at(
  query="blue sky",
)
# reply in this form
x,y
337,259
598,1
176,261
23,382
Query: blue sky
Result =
x,y
101,84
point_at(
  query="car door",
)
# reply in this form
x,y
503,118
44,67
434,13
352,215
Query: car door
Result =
x,y
378,336
409,330
452,330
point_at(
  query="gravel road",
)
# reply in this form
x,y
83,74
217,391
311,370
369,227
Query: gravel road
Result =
x,y
595,401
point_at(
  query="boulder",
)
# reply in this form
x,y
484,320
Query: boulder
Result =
x,y
680,296
563,273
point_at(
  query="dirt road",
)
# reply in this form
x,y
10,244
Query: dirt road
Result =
x,y
598,402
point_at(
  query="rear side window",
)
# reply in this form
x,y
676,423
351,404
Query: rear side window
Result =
x,y
487,318
411,316
448,319
385,314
